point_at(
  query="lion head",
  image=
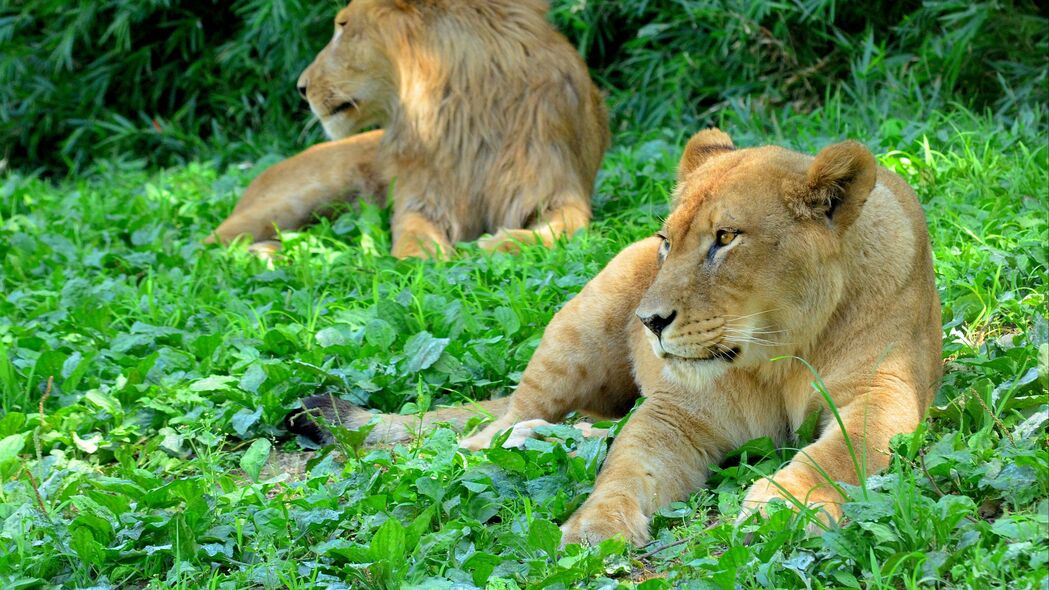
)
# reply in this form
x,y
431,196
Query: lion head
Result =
x,y
751,262
350,83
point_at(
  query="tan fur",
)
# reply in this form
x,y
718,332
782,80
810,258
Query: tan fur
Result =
x,y
491,125
831,264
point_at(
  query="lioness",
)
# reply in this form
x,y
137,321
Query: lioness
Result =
x,y
491,124
767,258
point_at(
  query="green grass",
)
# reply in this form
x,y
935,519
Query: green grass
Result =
x,y
169,361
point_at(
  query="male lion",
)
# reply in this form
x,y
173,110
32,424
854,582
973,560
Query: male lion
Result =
x,y
768,257
491,124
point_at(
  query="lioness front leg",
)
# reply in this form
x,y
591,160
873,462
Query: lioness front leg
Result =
x,y
583,360
887,407
562,221
291,193
662,454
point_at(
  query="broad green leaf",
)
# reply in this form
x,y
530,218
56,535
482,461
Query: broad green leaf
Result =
x,y
332,336
388,551
347,551
245,419
481,565
184,542
508,320
104,401
544,536
10,446
101,528
807,431
880,506
11,423
353,438
388,542
90,444
755,449
171,440
255,458
379,333
422,351
253,378
213,383
86,547
73,370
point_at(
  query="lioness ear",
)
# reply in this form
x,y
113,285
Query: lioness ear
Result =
x,y
703,146
836,185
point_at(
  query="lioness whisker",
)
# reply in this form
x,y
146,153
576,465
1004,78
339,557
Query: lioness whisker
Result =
x,y
743,317
749,331
746,336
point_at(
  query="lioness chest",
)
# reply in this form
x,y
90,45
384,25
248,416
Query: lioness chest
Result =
x,y
740,404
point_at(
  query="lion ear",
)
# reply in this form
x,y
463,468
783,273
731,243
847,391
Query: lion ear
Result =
x,y
836,185
703,146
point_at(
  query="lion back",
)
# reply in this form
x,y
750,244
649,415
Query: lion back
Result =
x,y
501,108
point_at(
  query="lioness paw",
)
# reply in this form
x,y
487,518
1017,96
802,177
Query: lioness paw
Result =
x,y
521,432
598,520
481,440
822,497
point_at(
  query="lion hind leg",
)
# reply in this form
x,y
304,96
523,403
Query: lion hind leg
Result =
x,y
563,221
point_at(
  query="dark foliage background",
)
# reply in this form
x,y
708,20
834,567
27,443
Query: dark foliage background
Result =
x,y
164,81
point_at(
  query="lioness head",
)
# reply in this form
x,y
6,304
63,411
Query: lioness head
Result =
x,y
350,83
752,259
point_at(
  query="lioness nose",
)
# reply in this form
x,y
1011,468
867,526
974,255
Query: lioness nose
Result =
x,y
302,90
657,323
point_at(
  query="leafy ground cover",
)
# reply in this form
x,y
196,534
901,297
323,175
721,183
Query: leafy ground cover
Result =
x,y
144,378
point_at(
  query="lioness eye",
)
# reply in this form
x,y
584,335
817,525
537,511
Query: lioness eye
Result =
x,y
725,237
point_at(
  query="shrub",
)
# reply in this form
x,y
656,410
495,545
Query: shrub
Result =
x,y
160,80
152,79
686,58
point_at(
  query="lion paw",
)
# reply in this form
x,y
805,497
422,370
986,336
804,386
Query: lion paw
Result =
x,y
598,520
265,250
405,249
502,241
